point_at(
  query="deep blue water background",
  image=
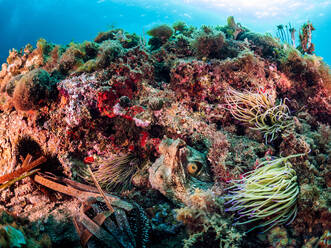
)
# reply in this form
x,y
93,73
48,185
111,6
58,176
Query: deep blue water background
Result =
x,y
63,21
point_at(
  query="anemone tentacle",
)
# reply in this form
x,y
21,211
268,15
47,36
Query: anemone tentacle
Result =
x,y
259,111
267,194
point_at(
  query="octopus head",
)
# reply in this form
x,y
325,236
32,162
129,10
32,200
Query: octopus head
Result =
x,y
179,171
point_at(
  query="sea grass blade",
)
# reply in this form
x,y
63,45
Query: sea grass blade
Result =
x,y
9,183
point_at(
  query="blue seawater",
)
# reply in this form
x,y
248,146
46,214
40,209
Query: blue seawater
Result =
x,y
62,21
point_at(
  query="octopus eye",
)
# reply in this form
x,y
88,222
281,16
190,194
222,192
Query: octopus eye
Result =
x,y
192,168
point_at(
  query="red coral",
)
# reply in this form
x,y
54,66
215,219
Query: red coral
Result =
x,y
200,82
106,101
125,79
320,104
108,97
143,138
88,160
156,142
191,79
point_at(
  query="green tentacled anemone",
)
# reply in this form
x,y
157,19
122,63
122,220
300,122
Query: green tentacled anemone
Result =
x,y
268,194
259,112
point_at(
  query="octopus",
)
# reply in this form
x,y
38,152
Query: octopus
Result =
x,y
179,171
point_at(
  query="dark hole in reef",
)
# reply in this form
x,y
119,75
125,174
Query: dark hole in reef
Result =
x,y
208,240
309,78
276,144
157,131
314,126
94,112
195,107
260,154
235,68
219,125
41,119
154,43
318,229
196,144
268,120
240,130
211,101
131,85
57,76
267,74
52,165
254,240
140,153
108,131
26,145
106,126
162,72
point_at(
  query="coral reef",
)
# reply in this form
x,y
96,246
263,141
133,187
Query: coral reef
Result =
x,y
160,35
207,44
279,237
168,126
39,234
233,29
205,222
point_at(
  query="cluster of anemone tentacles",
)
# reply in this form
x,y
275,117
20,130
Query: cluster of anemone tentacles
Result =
x,y
267,194
258,110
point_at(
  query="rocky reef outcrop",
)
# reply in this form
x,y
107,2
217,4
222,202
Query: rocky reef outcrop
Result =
x,y
168,125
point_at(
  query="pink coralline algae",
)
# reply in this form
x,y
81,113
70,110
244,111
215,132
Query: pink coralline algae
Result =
x,y
78,95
